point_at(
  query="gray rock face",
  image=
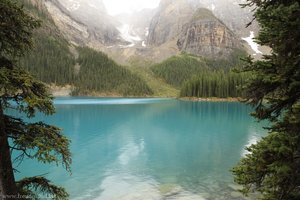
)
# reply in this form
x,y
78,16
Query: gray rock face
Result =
x,y
167,24
176,25
207,36
84,21
194,30
231,14
93,14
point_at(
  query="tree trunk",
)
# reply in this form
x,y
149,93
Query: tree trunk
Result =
x,y
8,189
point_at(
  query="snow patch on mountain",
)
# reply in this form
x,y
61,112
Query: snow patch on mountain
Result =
x,y
127,46
252,44
213,7
74,5
144,44
147,31
93,6
128,34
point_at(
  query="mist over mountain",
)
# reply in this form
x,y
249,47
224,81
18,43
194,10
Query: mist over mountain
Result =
x,y
155,34
134,27
92,52
192,29
231,13
169,21
85,23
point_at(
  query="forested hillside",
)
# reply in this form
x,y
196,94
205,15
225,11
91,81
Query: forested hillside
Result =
x,y
216,83
178,69
91,73
202,77
100,74
50,60
220,80
55,61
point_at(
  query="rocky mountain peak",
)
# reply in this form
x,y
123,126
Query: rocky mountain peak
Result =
x,y
193,29
206,35
210,28
168,21
84,22
231,13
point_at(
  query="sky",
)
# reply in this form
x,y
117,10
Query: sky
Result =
x,y
115,7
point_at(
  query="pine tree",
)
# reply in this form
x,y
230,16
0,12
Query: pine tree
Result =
x,y
273,165
21,92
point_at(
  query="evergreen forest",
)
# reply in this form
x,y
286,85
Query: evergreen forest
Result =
x,y
203,77
101,74
55,61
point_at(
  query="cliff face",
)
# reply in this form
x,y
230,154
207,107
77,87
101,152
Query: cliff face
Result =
x,y
195,31
84,22
74,31
93,14
167,24
205,35
203,28
231,13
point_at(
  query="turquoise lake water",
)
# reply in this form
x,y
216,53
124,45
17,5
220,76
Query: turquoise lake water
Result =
x,y
149,149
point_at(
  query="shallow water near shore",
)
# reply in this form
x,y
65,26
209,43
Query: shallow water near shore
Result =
x,y
139,148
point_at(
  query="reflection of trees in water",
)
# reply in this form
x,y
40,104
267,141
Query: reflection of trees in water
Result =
x,y
197,140
189,144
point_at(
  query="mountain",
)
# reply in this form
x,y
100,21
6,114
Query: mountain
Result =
x,y
230,13
84,22
166,48
135,26
205,35
167,23
178,69
236,18
56,61
181,25
153,34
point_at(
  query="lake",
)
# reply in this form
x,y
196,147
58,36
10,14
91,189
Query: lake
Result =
x,y
152,149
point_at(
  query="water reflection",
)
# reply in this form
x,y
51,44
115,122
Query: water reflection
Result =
x,y
130,151
158,149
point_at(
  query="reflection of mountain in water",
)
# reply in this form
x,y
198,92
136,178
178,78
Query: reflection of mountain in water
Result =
x,y
158,148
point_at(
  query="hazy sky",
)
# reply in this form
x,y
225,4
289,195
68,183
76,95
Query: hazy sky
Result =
x,y
126,6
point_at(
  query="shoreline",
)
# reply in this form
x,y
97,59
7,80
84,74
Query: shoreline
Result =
x,y
191,99
65,91
211,99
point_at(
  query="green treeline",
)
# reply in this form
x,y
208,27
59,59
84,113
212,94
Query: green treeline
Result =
x,y
202,77
232,61
214,84
53,62
178,69
50,60
101,74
